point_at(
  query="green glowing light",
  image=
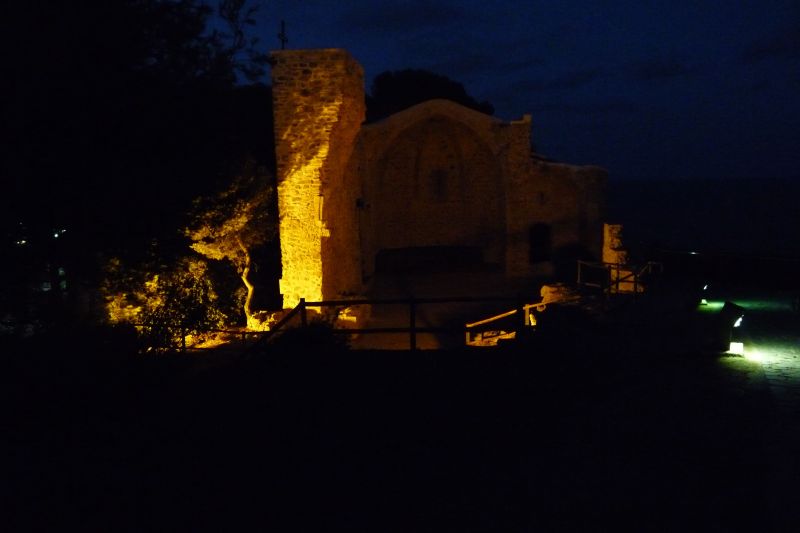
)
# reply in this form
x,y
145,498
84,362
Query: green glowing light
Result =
x,y
757,356
774,304
711,305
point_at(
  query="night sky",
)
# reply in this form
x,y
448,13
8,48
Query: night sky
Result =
x,y
648,90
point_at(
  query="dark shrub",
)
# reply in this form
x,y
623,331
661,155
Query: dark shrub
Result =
x,y
317,337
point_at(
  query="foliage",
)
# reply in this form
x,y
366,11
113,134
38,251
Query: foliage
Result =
x,y
165,303
393,91
228,226
229,223
238,15
122,111
170,295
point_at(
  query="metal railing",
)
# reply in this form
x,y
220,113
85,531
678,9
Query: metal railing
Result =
x,y
608,277
300,313
611,277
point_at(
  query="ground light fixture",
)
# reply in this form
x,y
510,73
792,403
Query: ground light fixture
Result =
x,y
731,317
736,348
767,348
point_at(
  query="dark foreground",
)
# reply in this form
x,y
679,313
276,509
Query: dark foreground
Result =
x,y
561,436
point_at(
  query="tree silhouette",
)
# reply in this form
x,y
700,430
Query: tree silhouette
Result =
x,y
393,91
118,113
229,225
123,108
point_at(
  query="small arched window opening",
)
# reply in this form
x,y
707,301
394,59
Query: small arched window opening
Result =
x,y
439,180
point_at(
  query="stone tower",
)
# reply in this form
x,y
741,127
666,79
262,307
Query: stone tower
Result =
x,y
318,106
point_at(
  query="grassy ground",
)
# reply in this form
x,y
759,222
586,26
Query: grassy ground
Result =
x,y
589,430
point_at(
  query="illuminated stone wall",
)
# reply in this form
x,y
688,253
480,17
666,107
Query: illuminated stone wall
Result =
x,y
568,199
318,106
436,174
432,177
441,174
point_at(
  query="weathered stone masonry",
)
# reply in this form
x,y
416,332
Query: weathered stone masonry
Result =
x,y
318,106
435,175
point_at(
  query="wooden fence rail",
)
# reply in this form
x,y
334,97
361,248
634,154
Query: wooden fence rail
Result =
x,y
412,329
300,315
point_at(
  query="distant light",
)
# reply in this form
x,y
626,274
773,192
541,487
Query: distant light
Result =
x,y
709,305
55,235
63,230
738,322
22,242
736,348
692,253
705,287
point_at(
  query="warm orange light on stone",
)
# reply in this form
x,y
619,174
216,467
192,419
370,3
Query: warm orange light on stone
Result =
x,y
302,231
614,253
318,108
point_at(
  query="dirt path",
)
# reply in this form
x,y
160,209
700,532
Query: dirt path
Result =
x,y
771,337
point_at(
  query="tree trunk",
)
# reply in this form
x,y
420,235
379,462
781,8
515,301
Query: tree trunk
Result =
x,y
248,310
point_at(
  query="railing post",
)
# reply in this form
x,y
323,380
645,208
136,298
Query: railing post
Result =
x,y
412,319
303,317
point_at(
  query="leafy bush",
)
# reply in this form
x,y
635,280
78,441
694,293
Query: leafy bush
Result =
x,y
164,303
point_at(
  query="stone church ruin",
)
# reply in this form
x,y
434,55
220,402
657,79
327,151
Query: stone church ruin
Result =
x,y
437,182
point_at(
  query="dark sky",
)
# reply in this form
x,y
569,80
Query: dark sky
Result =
x,y
681,89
